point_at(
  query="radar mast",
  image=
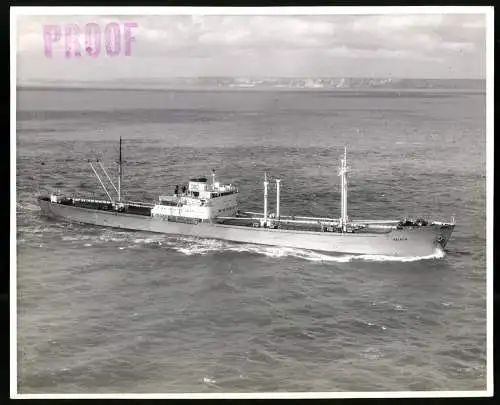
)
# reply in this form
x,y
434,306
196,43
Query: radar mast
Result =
x,y
344,219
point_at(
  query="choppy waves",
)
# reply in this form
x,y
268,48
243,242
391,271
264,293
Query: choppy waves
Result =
x,y
103,310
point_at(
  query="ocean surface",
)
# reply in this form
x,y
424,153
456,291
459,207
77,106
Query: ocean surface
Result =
x,y
109,311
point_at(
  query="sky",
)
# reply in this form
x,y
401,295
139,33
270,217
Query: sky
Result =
x,y
379,46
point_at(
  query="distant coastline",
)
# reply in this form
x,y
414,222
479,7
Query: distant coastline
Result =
x,y
405,93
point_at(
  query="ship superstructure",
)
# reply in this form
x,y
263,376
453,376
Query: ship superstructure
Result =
x,y
199,201
207,208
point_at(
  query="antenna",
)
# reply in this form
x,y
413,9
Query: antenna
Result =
x,y
278,198
265,197
120,173
344,219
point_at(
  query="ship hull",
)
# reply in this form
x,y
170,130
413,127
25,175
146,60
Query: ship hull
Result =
x,y
407,242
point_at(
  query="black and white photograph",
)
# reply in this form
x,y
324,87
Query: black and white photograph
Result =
x,y
283,202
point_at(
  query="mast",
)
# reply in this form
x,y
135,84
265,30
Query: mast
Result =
x,y
265,197
213,179
344,219
120,173
278,198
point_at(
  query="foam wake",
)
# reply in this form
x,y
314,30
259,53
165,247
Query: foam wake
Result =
x,y
193,246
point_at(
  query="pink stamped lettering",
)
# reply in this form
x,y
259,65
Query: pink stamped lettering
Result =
x,y
116,38
72,43
128,37
93,40
112,35
51,34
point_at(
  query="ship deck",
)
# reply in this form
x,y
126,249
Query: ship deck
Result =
x,y
311,227
144,209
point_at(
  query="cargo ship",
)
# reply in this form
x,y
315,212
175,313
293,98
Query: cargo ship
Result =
x,y
206,208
